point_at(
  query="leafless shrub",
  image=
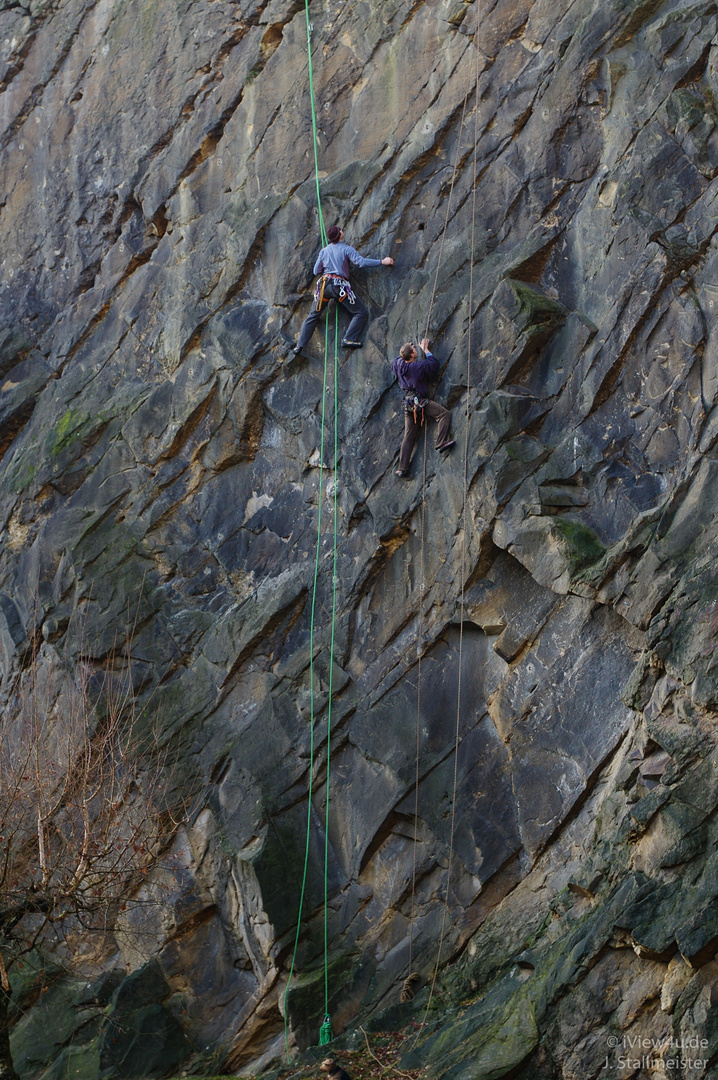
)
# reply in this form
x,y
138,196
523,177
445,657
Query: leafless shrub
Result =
x,y
84,817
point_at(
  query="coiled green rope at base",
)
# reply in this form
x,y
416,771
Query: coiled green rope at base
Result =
x,y
325,1032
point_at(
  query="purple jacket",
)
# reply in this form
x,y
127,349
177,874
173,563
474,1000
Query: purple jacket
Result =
x,y
335,259
413,375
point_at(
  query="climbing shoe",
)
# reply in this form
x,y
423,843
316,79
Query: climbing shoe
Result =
x,y
402,474
286,347
447,445
351,344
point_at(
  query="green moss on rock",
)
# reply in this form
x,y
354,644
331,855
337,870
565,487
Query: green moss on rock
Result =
x,y
582,544
73,427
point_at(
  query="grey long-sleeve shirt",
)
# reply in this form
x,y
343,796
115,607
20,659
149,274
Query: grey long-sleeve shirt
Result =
x,y
335,259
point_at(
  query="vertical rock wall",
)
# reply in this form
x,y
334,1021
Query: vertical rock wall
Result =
x,y
162,471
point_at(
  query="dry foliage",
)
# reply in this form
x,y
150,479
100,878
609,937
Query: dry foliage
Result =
x,y
82,811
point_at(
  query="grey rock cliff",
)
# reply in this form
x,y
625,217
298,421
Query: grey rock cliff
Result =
x,y
162,471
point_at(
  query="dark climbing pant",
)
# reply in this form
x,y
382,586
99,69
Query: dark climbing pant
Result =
x,y
357,310
413,427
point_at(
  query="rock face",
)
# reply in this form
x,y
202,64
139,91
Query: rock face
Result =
x,y
536,613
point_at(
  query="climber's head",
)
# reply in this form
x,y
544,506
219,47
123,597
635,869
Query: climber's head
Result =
x,y
334,234
408,352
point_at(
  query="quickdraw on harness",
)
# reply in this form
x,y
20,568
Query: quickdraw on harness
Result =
x,y
416,404
345,290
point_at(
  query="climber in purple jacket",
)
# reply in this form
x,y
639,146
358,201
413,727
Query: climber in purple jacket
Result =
x,y
414,376
332,265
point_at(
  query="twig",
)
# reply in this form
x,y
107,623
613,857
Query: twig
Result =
x,y
385,1068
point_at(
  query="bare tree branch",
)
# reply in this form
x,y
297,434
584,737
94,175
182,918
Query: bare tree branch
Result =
x,y
83,815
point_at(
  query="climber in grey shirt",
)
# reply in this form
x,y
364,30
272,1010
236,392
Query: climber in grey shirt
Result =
x,y
332,265
336,257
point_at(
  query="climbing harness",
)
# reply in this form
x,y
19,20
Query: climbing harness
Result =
x,y
416,405
345,290
325,1031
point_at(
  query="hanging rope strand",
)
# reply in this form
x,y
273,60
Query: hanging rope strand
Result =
x,y
331,669
315,136
446,216
419,649
463,531
312,622
421,559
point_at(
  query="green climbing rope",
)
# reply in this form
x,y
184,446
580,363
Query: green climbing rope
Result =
x,y
315,139
312,623
325,1032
